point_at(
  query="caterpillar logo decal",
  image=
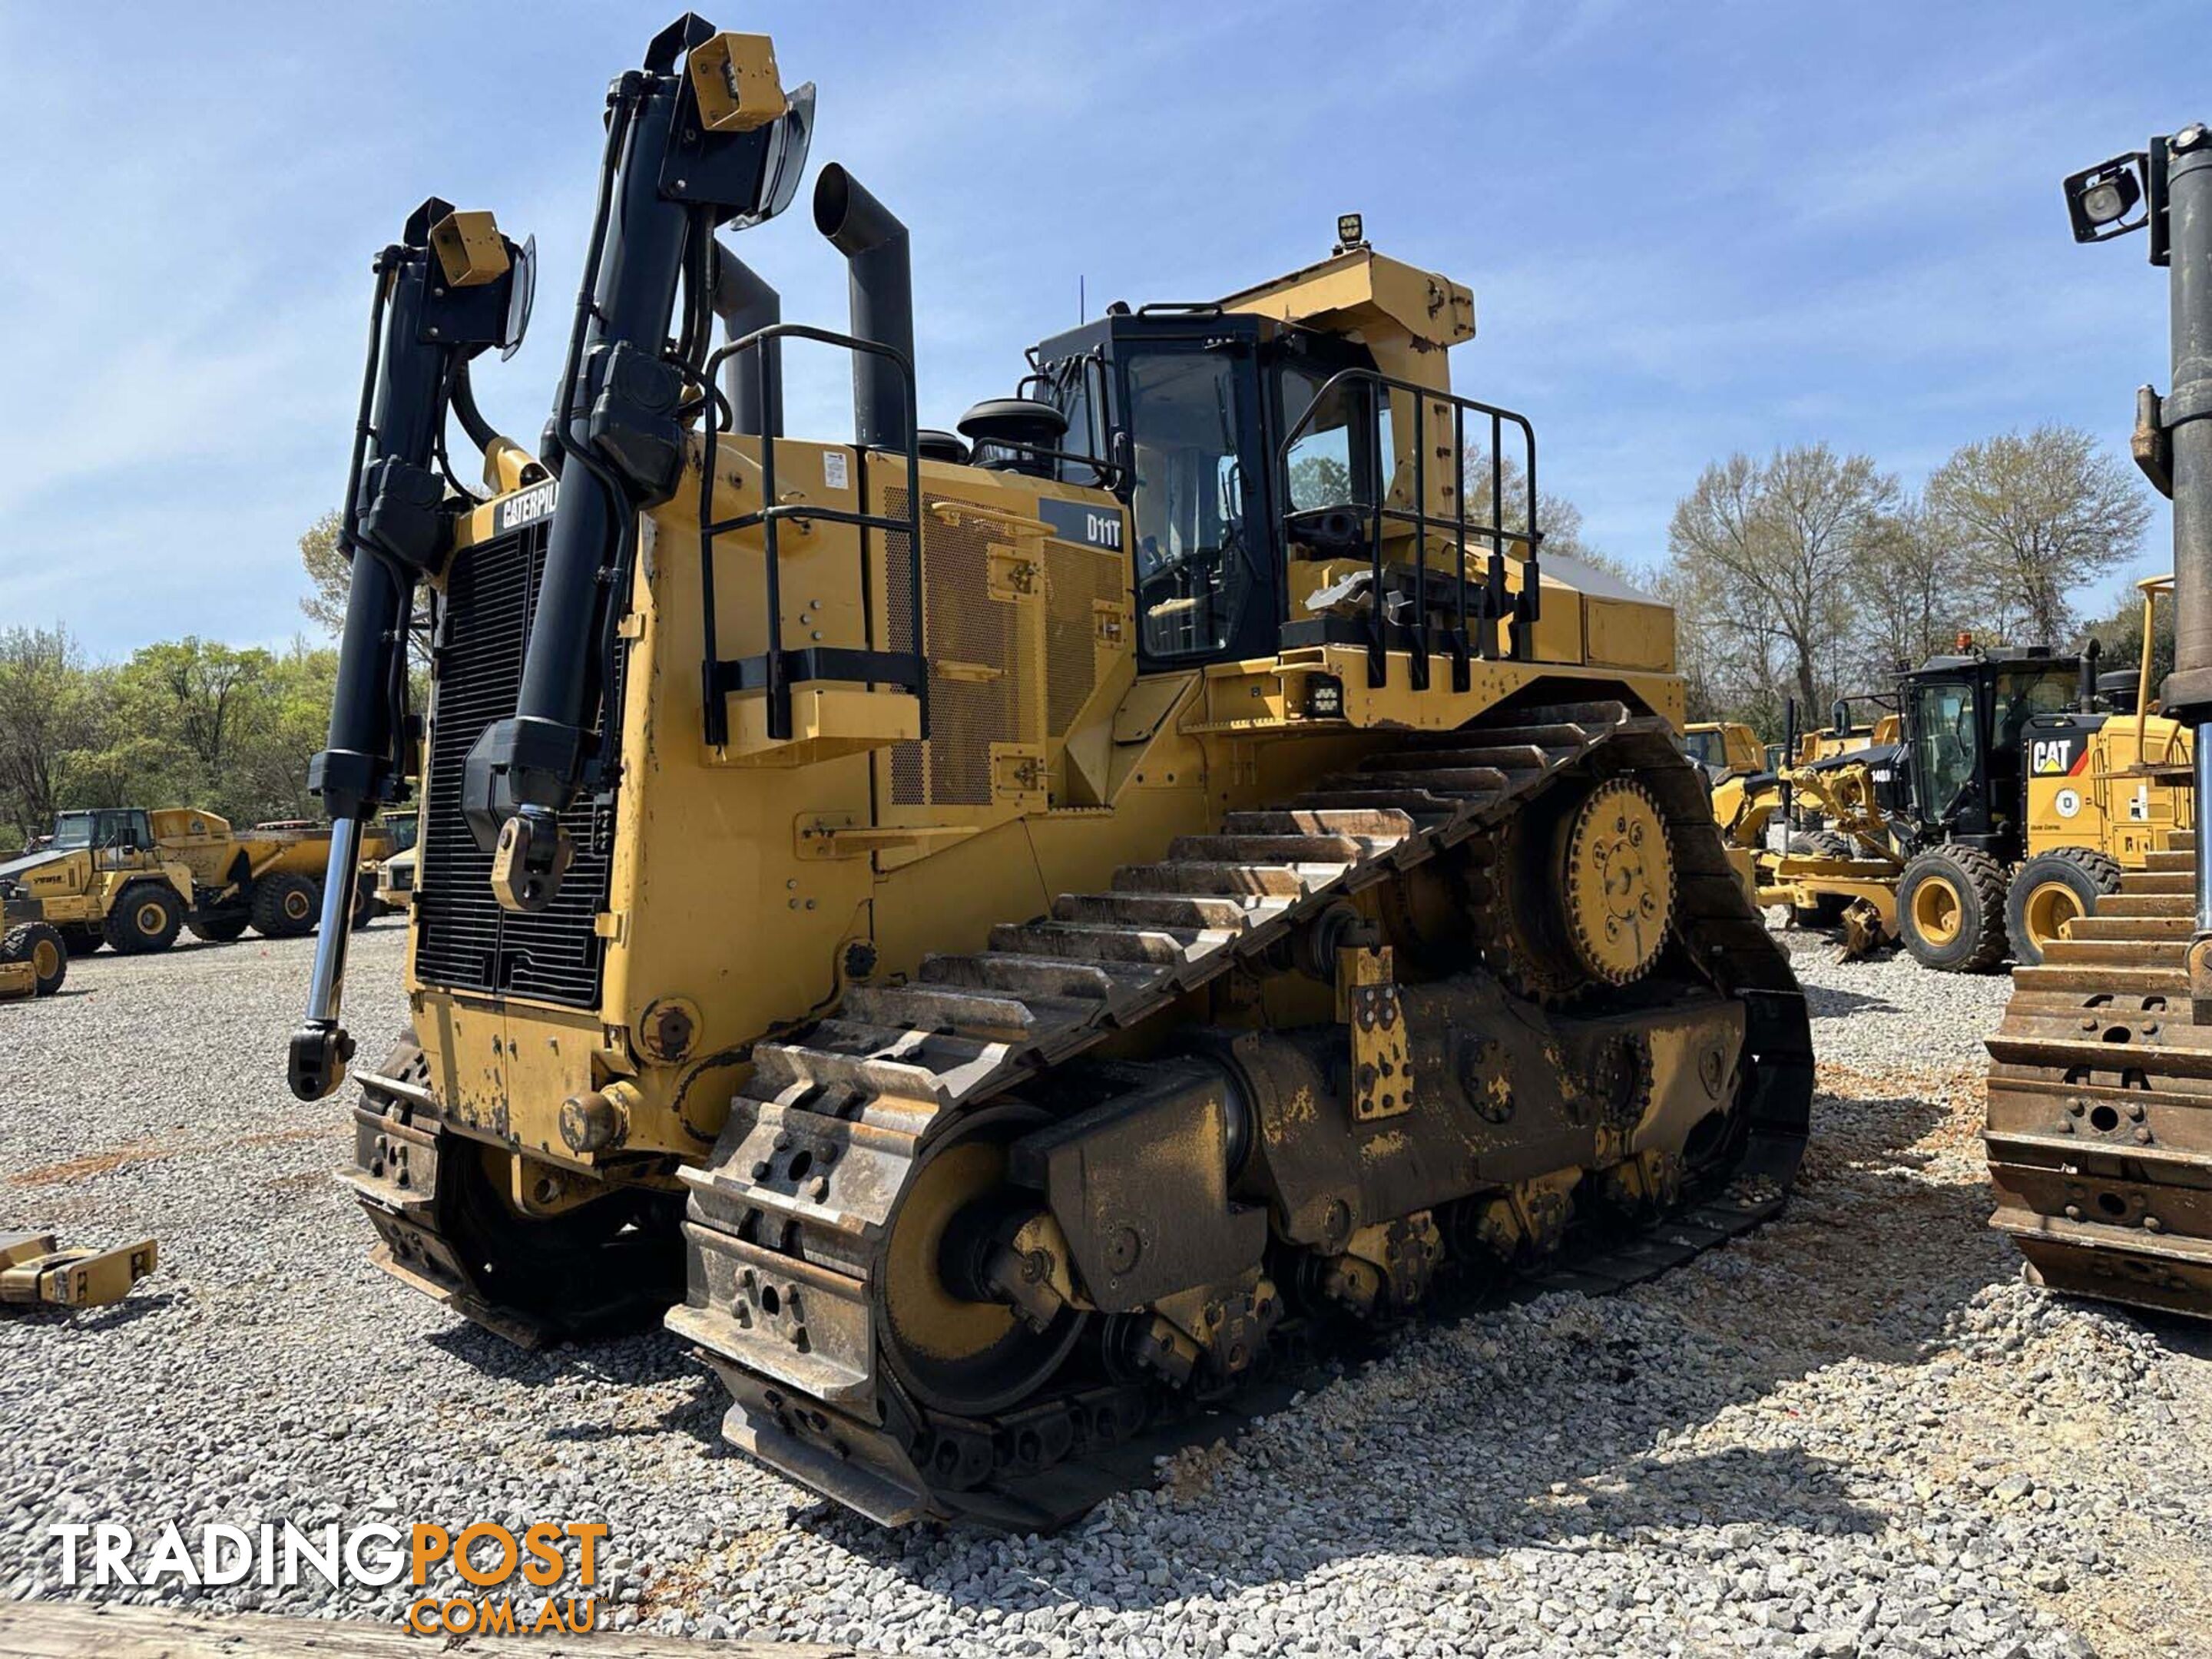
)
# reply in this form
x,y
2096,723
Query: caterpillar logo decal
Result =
x,y
527,508
2057,757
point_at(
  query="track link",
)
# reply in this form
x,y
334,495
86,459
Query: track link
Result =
x,y
2100,1129
788,1219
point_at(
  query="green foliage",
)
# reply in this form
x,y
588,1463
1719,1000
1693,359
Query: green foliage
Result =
x,y
330,573
2119,632
185,722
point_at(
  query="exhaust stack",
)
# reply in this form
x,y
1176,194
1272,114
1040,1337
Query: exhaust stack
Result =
x,y
746,305
881,278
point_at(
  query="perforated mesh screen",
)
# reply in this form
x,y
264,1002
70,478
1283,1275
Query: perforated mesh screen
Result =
x,y
464,940
1075,580
962,625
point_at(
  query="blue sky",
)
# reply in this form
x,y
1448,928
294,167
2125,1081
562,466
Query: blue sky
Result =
x,y
1690,228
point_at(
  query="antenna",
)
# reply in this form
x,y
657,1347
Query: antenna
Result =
x,y
1082,301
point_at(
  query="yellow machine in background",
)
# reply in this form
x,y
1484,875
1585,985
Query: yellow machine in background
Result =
x,y
1001,938
132,880
35,1271
395,883
1726,749
2003,800
2099,807
34,961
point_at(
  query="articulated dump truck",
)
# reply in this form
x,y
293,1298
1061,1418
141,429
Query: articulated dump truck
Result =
x,y
1006,940
132,880
2100,1137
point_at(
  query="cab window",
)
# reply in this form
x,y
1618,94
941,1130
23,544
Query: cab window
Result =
x,y
1331,462
1947,759
1196,567
2021,696
120,827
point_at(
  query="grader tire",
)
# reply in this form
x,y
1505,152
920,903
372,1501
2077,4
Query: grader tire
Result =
x,y
41,946
286,906
1951,910
145,918
2052,889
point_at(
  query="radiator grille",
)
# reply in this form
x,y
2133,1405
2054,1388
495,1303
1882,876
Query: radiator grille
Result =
x,y
464,940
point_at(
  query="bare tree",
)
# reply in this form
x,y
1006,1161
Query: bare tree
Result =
x,y
1765,551
1909,600
2032,518
330,574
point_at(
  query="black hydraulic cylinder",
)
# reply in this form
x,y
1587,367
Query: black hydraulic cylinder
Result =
x,y
881,282
616,397
424,326
405,408
746,305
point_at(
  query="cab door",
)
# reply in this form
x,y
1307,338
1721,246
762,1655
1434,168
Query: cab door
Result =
x,y
1207,567
1947,765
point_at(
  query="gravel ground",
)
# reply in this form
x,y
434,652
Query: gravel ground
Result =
x,y
1855,1432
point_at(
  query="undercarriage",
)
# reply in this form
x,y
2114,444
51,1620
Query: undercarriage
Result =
x,y
1489,1012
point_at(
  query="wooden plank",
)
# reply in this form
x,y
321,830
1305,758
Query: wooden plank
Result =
x,y
77,1630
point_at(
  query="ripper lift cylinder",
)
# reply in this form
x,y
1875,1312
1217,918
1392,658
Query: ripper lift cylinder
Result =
x,y
668,177
425,322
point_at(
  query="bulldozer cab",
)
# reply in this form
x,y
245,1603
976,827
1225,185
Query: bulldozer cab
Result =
x,y
1726,749
1973,728
1195,404
1296,469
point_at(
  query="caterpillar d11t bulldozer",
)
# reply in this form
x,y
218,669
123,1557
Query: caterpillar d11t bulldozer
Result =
x,y
2099,1131
1006,939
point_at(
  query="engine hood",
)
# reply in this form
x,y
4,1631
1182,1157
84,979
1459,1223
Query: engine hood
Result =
x,y
13,867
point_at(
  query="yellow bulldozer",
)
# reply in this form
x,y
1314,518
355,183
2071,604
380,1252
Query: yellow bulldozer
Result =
x,y
1003,938
132,880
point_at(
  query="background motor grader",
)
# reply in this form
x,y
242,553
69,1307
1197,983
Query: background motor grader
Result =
x,y
132,879
2004,800
1006,939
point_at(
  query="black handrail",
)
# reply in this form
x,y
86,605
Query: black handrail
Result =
x,y
774,672
1524,608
